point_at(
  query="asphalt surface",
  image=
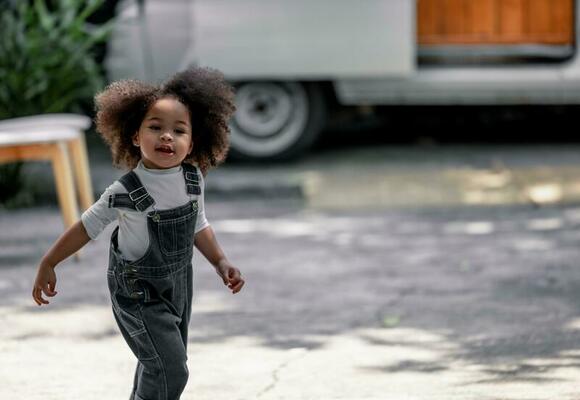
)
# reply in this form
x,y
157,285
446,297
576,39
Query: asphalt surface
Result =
x,y
382,277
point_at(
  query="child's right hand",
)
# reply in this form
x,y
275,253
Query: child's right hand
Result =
x,y
45,282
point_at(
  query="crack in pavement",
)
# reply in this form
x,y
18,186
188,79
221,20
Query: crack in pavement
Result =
x,y
300,351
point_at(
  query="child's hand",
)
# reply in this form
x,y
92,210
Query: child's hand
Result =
x,y
231,276
45,282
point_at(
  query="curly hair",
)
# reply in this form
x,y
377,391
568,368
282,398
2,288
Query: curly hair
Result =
x,y
122,105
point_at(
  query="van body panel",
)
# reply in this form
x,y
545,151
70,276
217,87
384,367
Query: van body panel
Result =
x,y
529,84
305,39
367,50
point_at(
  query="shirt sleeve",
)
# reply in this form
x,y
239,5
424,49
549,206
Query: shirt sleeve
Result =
x,y
99,215
201,221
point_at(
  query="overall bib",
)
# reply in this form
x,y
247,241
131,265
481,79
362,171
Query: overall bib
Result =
x,y
151,297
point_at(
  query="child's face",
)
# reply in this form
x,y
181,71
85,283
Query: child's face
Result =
x,y
164,136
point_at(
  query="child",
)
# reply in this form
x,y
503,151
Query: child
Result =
x,y
169,136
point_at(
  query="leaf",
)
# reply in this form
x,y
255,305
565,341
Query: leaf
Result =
x,y
45,18
68,11
91,7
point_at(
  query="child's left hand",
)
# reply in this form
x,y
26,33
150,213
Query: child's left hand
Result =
x,y
231,276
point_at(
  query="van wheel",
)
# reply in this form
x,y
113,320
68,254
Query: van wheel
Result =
x,y
275,120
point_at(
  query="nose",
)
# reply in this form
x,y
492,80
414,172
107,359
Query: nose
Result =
x,y
166,136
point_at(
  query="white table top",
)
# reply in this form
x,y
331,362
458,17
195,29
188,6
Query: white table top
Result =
x,y
48,134
78,121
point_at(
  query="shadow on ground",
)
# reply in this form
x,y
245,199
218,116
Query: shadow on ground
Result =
x,y
499,285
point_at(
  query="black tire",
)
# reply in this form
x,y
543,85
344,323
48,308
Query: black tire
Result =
x,y
275,121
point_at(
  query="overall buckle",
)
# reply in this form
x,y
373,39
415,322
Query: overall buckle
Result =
x,y
138,194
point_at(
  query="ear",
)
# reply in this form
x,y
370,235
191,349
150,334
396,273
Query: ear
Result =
x,y
190,147
135,139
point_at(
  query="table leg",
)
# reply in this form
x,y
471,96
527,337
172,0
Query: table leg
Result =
x,y
78,152
63,178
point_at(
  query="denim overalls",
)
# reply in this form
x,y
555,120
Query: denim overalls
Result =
x,y
151,297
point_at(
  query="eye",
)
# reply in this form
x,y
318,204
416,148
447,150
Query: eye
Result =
x,y
180,131
154,127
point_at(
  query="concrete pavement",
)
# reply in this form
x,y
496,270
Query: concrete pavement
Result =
x,y
350,294
387,176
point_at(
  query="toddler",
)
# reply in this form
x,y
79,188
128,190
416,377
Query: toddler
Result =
x,y
168,136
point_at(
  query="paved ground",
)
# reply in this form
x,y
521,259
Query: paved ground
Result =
x,y
357,288
384,176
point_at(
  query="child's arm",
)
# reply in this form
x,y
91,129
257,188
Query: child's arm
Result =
x,y
68,243
207,244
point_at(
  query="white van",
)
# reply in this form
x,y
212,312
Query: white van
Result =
x,y
290,58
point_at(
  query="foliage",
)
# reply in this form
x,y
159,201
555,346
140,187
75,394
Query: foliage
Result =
x,y
47,64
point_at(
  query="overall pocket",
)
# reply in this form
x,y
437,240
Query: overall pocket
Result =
x,y
135,334
125,307
176,235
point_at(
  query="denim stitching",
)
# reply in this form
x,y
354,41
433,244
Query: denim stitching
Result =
x,y
160,361
173,245
179,219
171,212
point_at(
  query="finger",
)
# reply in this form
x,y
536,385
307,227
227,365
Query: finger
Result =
x,y
39,296
234,282
238,287
34,296
42,299
51,290
47,291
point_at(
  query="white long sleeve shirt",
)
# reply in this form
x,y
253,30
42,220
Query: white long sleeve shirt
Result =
x,y
166,186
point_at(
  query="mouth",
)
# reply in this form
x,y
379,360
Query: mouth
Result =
x,y
164,149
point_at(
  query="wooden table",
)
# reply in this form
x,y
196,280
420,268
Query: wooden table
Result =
x,y
58,138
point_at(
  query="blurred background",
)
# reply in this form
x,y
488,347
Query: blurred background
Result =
x,y
415,162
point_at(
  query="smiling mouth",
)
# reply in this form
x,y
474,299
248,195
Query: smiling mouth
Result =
x,y
164,149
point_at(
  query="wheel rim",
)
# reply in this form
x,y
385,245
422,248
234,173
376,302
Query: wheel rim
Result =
x,y
270,117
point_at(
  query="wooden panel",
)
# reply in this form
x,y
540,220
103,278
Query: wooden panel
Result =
x,y
539,17
481,13
495,22
426,14
511,18
452,25
563,19
43,151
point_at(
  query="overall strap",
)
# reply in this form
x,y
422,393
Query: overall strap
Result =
x,y
191,178
137,199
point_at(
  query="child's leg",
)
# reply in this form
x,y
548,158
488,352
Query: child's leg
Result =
x,y
153,331
186,315
166,378
138,371
162,372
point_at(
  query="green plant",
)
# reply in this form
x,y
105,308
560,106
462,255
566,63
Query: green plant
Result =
x,y
47,63
46,60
